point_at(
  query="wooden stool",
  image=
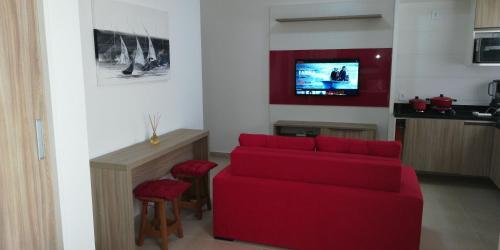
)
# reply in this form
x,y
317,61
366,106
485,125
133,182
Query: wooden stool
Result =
x,y
197,173
159,192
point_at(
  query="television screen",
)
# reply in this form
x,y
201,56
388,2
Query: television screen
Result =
x,y
329,78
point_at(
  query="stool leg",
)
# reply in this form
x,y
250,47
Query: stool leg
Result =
x,y
144,215
177,217
199,204
209,201
156,220
163,226
189,193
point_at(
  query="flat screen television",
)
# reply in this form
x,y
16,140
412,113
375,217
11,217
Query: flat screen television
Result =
x,y
327,77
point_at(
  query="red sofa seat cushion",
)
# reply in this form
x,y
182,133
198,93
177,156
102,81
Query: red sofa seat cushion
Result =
x,y
391,149
314,168
278,142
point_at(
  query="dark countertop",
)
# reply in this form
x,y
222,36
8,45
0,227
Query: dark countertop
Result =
x,y
462,112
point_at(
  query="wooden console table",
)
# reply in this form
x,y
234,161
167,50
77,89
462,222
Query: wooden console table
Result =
x,y
116,174
313,129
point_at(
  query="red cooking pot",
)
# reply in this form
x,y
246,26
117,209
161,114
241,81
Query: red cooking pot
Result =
x,y
419,105
442,102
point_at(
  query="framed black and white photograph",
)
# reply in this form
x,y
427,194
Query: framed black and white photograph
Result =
x,y
131,50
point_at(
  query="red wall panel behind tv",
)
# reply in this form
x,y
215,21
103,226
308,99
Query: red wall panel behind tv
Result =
x,y
374,77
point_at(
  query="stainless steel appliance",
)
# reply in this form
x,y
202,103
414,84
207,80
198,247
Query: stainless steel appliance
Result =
x,y
494,108
494,92
487,48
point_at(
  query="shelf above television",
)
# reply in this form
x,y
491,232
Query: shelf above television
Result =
x,y
328,18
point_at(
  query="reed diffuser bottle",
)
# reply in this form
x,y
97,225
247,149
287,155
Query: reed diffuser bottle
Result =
x,y
154,122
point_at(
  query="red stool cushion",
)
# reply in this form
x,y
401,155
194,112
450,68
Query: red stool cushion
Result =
x,y
161,189
193,168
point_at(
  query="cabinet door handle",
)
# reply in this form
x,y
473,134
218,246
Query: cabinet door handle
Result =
x,y
486,124
40,139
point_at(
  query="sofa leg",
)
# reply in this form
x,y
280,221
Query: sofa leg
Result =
x,y
223,239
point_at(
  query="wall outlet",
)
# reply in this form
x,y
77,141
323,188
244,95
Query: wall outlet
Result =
x,y
435,14
402,97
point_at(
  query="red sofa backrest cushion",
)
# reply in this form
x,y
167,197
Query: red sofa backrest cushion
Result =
x,y
391,149
277,142
311,167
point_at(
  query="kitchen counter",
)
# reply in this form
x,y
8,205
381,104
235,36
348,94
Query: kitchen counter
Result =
x,y
462,112
451,143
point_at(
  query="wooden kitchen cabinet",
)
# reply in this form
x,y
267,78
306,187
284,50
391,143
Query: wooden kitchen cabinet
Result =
x,y
495,159
487,14
476,149
433,145
449,146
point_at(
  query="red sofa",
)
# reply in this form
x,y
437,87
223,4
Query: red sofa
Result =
x,y
323,193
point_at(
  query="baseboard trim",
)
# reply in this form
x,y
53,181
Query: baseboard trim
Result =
x,y
220,155
223,239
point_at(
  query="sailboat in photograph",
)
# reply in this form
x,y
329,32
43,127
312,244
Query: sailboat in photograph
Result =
x,y
123,58
138,59
151,51
139,55
131,57
151,60
129,70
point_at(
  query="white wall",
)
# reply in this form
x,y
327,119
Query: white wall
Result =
x,y
346,34
339,34
432,53
117,115
67,97
235,69
237,37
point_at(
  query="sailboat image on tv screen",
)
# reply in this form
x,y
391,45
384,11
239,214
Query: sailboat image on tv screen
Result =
x,y
123,57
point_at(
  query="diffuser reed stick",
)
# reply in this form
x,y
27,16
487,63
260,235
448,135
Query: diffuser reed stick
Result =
x,y
154,122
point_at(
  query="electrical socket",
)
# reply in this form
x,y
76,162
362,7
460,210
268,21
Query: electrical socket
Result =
x,y
402,97
435,14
